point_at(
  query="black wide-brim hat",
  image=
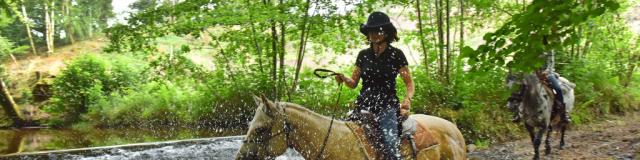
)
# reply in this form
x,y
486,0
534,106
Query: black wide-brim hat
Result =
x,y
377,21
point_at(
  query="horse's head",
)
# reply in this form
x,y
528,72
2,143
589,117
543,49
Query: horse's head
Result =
x,y
512,80
268,132
534,87
536,100
514,102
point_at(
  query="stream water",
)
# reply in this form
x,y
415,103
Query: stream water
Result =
x,y
122,144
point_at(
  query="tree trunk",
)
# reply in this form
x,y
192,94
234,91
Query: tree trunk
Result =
x,y
431,23
13,58
572,51
580,33
633,61
255,41
448,53
64,9
303,35
49,20
47,23
461,27
282,52
53,24
585,50
27,24
274,47
421,36
10,108
90,29
440,38
274,70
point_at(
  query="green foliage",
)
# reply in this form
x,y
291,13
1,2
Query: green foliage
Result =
x,y
475,101
555,20
185,102
85,82
7,47
141,5
154,104
482,144
175,65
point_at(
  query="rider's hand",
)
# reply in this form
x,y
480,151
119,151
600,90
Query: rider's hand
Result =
x,y
404,113
340,78
404,107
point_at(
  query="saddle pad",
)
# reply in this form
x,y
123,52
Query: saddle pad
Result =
x,y
423,136
409,126
364,141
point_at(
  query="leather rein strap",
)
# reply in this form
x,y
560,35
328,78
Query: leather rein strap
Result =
x,y
326,138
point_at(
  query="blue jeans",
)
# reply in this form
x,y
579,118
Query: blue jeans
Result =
x,y
553,80
388,123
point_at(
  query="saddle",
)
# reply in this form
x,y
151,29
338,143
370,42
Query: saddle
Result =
x,y
414,135
542,76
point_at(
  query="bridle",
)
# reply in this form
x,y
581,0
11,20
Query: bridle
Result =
x,y
286,131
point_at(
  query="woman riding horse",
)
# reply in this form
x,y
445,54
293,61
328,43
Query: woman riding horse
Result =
x,y
547,71
379,65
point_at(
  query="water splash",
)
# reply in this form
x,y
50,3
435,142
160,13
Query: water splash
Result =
x,y
222,148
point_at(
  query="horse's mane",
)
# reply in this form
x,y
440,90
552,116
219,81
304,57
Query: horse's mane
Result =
x,y
304,110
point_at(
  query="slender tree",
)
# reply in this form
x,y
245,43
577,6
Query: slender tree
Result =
x,y
10,108
461,26
440,38
68,22
421,36
303,34
254,39
27,24
448,47
274,47
283,41
49,15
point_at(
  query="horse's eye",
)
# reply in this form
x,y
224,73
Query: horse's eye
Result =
x,y
262,131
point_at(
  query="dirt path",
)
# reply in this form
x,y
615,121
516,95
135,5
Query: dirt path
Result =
x,y
616,138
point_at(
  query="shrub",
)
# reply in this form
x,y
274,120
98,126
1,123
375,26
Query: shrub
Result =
x,y
86,81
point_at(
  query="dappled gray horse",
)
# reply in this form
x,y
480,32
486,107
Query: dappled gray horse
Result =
x,y
536,108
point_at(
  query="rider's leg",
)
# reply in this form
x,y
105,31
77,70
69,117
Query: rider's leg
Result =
x,y
388,121
553,80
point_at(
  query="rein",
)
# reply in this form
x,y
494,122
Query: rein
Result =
x,y
328,73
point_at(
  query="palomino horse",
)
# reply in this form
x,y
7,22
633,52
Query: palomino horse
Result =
x,y
278,126
536,107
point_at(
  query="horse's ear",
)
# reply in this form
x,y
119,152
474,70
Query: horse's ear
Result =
x,y
257,99
269,107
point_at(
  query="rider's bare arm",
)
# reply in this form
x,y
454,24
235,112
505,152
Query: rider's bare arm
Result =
x,y
355,78
406,77
350,82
